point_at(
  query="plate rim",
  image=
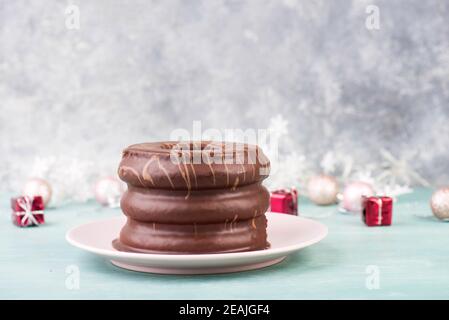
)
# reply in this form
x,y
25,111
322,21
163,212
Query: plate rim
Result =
x,y
199,257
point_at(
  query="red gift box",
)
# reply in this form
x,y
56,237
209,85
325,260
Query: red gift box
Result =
x,y
377,211
27,211
284,201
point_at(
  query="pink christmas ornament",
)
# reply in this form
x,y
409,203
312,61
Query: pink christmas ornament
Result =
x,y
322,190
108,191
38,187
440,203
352,195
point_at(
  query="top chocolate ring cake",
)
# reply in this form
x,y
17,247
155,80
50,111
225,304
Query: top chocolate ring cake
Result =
x,y
193,165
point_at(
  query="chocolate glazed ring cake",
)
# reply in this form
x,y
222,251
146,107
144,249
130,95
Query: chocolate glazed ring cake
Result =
x,y
192,198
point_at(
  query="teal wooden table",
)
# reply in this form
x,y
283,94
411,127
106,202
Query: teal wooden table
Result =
x,y
407,260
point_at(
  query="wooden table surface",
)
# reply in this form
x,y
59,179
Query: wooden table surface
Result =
x,y
407,260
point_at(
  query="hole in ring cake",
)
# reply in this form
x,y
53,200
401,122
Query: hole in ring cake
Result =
x,y
193,198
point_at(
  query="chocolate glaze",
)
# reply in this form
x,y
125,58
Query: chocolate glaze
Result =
x,y
202,207
151,165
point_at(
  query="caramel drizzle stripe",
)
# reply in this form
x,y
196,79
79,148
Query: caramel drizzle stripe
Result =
x,y
254,171
166,173
154,226
236,183
126,168
227,174
183,175
244,173
211,170
192,160
194,174
189,183
233,222
186,179
223,160
145,172
253,221
225,224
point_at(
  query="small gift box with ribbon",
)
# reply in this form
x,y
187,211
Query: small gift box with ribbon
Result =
x,y
284,201
27,211
377,211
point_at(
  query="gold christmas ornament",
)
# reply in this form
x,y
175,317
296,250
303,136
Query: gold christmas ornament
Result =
x,y
322,190
439,203
38,187
108,191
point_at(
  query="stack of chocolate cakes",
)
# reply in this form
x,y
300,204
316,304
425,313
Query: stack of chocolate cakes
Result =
x,y
192,198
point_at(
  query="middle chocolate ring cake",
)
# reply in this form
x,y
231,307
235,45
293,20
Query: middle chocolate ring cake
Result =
x,y
189,207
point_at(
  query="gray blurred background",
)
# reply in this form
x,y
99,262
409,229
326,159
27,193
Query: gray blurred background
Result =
x,y
72,99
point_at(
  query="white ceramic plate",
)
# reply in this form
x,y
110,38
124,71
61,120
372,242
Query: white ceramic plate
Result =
x,y
286,234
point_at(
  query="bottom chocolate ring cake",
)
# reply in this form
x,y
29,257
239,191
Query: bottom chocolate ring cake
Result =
x,y
237,236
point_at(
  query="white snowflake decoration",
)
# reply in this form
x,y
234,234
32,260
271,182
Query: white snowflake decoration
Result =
x,y
396,171
278,126
292,170
337,164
